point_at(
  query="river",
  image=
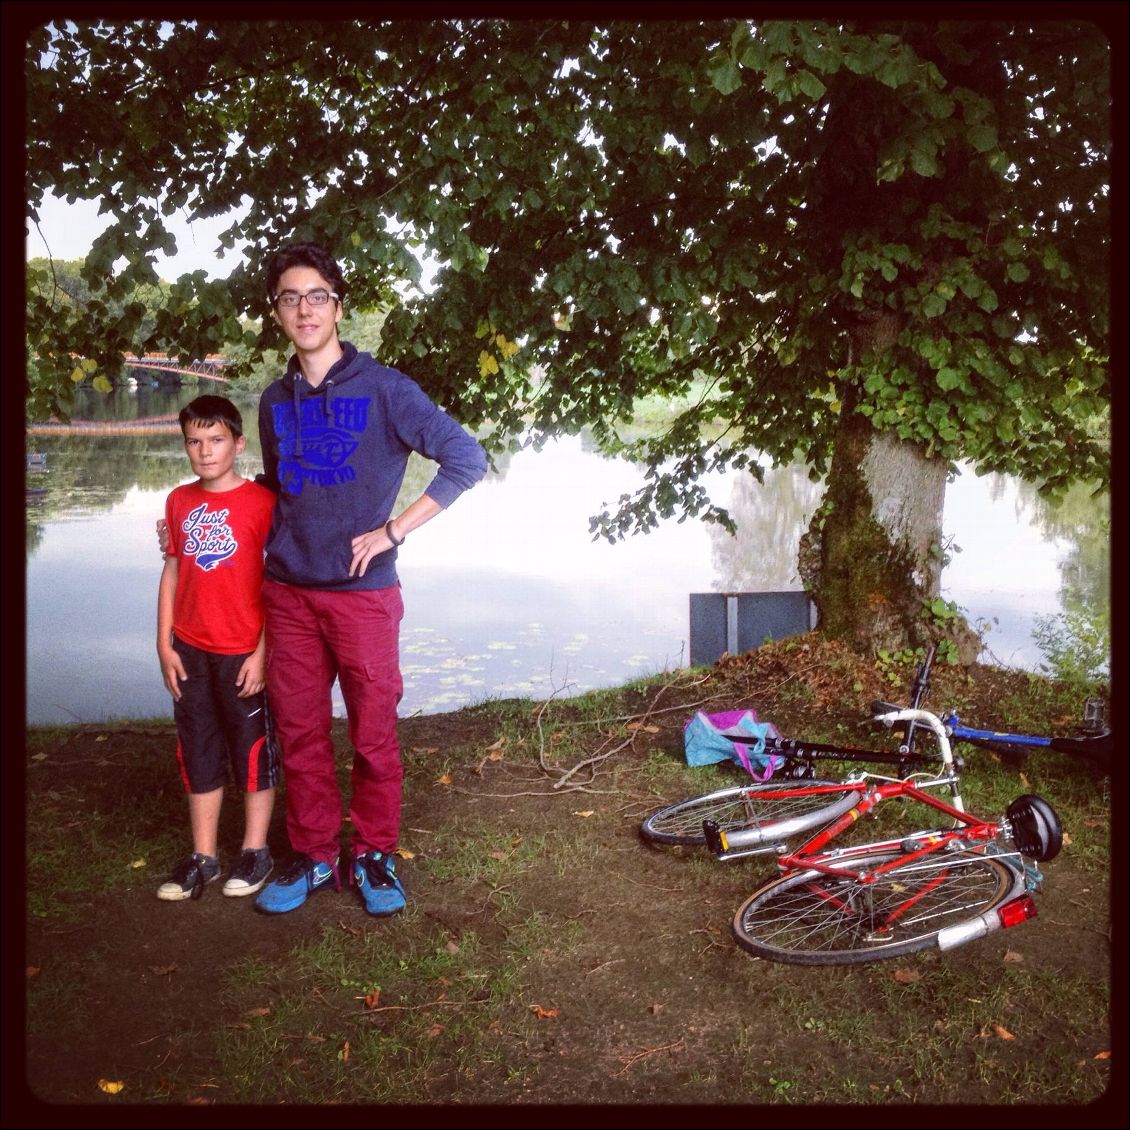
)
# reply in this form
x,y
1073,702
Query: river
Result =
x,y
506,594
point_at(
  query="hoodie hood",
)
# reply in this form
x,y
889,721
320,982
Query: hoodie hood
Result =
x,y
342,370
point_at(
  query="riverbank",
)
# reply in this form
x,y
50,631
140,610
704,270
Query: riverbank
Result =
x,y
548,956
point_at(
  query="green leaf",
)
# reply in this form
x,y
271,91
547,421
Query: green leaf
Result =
x,y
982,137
724,74
925,164
810,85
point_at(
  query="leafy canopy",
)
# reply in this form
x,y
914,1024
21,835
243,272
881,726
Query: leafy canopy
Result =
x,y
907,221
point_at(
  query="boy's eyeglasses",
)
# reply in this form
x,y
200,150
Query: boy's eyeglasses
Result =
x,y
291,298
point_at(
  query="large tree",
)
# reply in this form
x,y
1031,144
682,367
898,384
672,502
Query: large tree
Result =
x,y
879,247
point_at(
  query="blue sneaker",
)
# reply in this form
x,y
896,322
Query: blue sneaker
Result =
x,y
292,888
374,874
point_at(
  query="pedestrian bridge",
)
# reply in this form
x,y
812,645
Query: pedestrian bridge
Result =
x,y
212,366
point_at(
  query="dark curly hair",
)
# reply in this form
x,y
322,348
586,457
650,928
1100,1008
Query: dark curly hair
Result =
x,y
304,255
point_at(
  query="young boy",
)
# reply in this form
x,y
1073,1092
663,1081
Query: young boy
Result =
x,y
211,648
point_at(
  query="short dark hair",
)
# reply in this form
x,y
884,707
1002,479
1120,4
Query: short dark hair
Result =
x,y
209,410
304,255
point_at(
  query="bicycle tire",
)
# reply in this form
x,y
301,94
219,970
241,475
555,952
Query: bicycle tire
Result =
x,y
741,806
811,918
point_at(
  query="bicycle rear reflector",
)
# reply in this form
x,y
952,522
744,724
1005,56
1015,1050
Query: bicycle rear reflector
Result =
x,y
1017,911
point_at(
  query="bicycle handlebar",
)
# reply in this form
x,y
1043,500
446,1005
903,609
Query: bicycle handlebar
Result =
x,y
920,717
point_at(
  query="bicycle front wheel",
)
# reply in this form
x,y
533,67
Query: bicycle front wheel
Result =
x,y
811,918
743,806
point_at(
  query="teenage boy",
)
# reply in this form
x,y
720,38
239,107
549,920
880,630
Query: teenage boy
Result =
x,y
336,432
211,647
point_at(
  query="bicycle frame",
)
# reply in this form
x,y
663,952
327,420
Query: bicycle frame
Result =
x,y
749,840
967,830
1097,744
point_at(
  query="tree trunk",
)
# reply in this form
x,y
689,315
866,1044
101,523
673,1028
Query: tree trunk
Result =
x,y
872,557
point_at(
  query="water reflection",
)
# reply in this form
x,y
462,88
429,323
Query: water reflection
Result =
x,y
506,594
771,516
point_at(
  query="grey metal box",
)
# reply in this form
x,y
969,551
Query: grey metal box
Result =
x,y
733,622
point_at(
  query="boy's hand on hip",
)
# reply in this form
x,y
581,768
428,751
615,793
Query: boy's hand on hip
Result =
x,y
367,546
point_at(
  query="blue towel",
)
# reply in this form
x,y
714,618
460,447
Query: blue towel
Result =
x,y
706,741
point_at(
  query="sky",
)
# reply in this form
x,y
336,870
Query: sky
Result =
x,y
69,230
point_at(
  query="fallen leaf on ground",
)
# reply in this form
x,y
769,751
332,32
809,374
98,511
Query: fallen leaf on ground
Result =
x,y
444,780
32,970
1103,1055
426,749
264,1011
499,855
907,976
452,946
1066,839
343,1055
1012,955
1003,1032
137,863
434,1031
110,1086
404,853
542,1013
372,998
586,812
164,970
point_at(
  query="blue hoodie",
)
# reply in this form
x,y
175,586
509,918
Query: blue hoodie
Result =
x,y
335,457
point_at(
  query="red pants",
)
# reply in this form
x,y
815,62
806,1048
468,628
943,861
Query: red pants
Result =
x,y
313,636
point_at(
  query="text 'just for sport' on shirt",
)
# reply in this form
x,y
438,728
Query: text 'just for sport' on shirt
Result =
x,y
218,538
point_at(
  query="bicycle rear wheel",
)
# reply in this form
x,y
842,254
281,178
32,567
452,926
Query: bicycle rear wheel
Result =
x,y
743,806
810,918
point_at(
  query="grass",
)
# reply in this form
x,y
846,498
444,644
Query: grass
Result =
x,y
980,1041
408,1012
547,955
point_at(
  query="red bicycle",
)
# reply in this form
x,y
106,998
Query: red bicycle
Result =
x,y
831,905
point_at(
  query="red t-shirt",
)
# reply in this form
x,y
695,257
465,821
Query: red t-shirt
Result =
x,y
218,538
